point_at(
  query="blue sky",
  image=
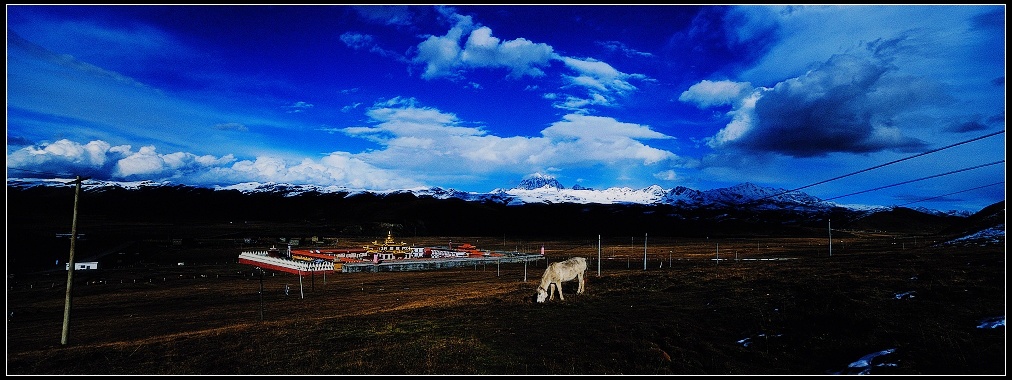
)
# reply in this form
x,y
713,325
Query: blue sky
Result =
x,y
476,98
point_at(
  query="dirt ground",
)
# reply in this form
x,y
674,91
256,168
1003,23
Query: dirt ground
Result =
x,y
694,306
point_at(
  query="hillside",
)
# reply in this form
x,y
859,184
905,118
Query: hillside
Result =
x,y
341,213
110,215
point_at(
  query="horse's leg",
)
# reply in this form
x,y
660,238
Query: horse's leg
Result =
x,y
551,292
559,288
580,278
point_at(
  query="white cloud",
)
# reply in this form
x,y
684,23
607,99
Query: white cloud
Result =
x,y
618,46
441,54
398,118
350,107
598,128
521,56
416,139
209,160
740,123
148,163
667,175
102,160
61,155
338,168
579,105
143,162
269,168
299,107
444,56
599,76
595,139
709,93
602,83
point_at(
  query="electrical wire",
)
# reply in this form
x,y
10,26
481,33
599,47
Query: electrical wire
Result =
x,y
919,179
885,164
956,192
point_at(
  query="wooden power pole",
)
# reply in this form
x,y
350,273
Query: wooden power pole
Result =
x,y
70,263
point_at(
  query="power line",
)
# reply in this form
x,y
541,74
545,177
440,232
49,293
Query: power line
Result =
x,y
919,179
885,164
956,192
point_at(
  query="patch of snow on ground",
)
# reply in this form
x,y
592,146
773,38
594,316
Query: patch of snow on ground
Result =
x,y
864,365
906,295
748,341
992,323
992,235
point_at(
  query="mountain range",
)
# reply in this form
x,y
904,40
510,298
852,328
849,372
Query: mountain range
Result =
x,y
537,205
536,189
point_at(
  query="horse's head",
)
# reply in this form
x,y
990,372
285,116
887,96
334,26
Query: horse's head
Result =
x,y
541,295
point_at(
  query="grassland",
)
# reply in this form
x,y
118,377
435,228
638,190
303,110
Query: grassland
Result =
x,y
769,305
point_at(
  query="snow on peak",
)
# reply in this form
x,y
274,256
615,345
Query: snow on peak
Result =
x,y
559,194
538,181
537,188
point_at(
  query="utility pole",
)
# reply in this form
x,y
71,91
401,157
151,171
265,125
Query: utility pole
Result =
x,y
598,255
644,251
70,263
829,225
261,293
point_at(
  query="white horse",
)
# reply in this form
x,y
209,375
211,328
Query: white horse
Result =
x,y
560,272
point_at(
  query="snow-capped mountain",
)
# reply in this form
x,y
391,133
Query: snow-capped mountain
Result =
x,y
87,185
745,194
687,209
535,189
539,181
559,194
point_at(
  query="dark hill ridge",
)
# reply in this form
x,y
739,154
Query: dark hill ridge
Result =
x,y
112,216
902,219
987,217
537,189
426,215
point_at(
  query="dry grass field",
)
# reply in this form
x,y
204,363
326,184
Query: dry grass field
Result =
x,y
768,306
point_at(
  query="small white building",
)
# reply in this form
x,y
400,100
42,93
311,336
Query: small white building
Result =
x,y
416,252
84,265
